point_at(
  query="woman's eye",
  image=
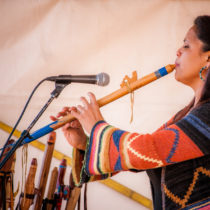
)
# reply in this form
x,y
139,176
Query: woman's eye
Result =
x,y
186,46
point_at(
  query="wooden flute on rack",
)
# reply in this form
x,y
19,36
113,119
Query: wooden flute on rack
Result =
x,y
28,196
44,171
105,100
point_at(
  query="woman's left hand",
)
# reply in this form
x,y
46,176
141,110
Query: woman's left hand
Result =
x,y
89,113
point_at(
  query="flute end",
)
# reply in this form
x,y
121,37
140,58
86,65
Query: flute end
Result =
x,y
170,67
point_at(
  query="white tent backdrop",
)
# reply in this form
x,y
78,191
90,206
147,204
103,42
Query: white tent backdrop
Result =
x,y
51,37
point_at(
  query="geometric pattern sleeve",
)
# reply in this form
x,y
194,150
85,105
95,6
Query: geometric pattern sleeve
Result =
x,y
78,173
110,150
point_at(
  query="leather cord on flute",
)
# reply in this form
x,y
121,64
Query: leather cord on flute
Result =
x,y
103,101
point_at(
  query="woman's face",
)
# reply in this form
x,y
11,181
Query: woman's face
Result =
x,y
190,59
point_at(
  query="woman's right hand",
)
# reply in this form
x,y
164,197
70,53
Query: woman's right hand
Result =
x,y
73,131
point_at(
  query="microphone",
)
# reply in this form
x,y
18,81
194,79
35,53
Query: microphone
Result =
x,y
101,79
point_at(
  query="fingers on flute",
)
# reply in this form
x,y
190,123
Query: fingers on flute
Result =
x,y
53,118
92,99
85,102
72,125
65,111
62,113
75,113
66,127
94,104
75,124
69,109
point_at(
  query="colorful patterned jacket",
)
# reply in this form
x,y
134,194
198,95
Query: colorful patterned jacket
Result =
x,y
176,158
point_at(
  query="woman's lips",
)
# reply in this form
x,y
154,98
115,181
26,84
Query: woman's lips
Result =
x,y
177,64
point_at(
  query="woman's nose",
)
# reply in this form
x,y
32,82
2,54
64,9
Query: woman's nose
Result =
x,y
178,53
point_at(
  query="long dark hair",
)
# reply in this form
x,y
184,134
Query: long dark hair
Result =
x,y
202,29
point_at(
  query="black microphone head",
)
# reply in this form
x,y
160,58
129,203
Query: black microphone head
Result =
x,y
102,79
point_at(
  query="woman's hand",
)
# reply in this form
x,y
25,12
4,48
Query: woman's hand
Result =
x,y
89,113
73,131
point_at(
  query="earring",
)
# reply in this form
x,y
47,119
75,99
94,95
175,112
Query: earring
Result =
x,y
200,73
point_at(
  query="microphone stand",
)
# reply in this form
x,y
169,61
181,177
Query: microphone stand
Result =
x,y
59,86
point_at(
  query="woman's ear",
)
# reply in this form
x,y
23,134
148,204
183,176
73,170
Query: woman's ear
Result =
x,y
208,62
208,59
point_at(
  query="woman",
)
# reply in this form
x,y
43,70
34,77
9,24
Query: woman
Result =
x,y
176,157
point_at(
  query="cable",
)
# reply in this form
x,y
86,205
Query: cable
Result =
x,y
21,115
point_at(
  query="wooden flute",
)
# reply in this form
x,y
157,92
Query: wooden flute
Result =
x,y
28,196
44,171
105,100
